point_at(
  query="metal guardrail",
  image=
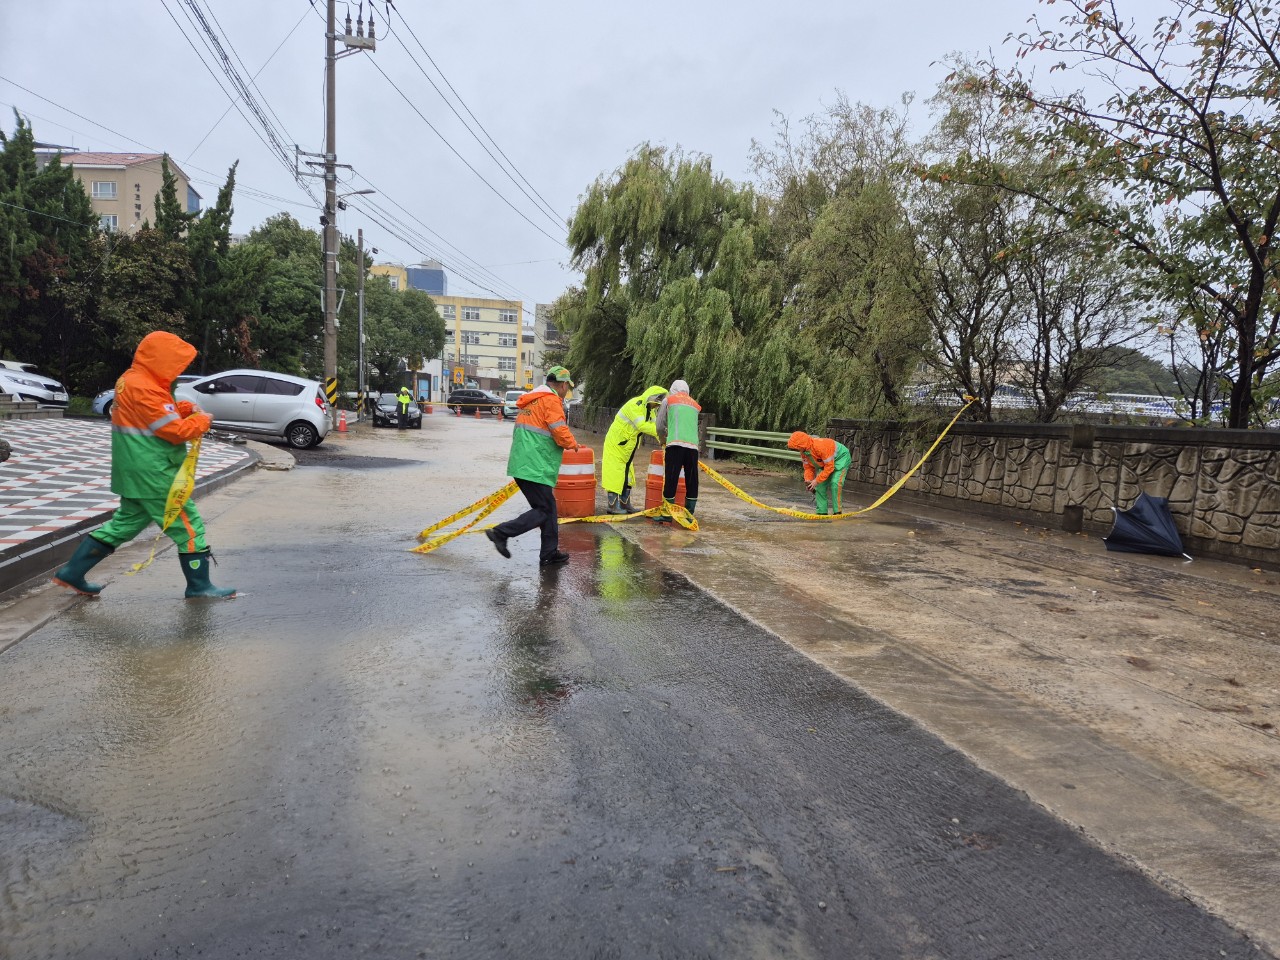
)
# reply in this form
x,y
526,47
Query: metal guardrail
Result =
x,y
713,443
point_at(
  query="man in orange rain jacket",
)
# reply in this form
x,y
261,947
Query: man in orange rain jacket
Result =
x,y
537,444
825,464
149,434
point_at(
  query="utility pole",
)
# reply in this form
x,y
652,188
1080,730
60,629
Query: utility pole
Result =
x,y
330,218
352,43
360,314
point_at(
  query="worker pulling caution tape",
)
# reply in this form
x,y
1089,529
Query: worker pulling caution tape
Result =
x,y
487,504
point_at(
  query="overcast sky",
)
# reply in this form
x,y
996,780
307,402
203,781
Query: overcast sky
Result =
x,y
567,89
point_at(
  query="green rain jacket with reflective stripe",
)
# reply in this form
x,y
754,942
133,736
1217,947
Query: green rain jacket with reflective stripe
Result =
x,y
148,433
540,433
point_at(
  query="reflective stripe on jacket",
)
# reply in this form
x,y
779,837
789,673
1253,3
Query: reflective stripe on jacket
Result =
x,y
149,432
633,419
541,434
823,457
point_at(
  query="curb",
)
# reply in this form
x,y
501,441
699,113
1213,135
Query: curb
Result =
x,y
44,554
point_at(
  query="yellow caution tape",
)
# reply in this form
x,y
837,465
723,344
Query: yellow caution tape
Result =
x,y
487,504
180,490
801,515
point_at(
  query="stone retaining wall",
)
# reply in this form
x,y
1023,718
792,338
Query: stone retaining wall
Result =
x,y
1223,485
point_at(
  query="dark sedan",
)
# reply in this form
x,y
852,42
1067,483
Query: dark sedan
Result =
x,y
386,412
470,400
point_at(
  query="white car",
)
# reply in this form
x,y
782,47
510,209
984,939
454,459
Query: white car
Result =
x,y
103,401
262,403
509,408
25,382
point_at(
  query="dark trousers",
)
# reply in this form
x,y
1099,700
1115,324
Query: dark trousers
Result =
x,y
676,459
541,513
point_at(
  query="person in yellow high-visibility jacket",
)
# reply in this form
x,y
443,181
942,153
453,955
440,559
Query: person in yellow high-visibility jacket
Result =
x,y
825,464
617,462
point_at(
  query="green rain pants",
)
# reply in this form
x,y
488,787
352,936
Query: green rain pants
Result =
x,y
828,492
132,517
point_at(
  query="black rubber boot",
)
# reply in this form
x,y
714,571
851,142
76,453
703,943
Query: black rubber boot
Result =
x,y
691,504
71,574
614,505
624,501
195,567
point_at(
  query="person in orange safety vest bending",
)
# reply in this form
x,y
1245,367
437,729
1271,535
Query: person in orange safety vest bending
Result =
x,y
825,464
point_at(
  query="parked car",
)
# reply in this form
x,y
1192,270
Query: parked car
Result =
x,y
25,382
386,412
469,400
103,401
266,404
509,408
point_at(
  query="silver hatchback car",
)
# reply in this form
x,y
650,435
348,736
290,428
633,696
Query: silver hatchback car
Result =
x,y
262,403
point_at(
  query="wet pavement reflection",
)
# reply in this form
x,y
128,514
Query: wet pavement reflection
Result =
x,y
460,756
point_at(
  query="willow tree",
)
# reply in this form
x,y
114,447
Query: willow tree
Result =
x,y
1179,169
681,282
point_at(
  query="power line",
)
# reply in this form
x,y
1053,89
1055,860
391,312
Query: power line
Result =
x,y
542,205
196,148
264,130
560,241
474,264
240,185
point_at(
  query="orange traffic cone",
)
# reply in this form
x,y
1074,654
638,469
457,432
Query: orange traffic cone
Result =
x,y
459,409
477,413
342,421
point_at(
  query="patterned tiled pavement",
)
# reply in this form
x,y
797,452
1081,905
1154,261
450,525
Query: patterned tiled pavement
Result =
x,y
57,483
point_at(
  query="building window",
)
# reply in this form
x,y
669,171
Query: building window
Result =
x,y
507,316
108,222
470,337
507,363
104,189
507,339
448,312
470,313
395,282
448,334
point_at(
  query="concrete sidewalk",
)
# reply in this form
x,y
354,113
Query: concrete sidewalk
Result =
x,y
56,486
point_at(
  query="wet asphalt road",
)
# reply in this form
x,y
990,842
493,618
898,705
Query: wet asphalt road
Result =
x,y
373,752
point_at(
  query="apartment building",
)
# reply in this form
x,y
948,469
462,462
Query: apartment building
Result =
x,y
122,187
485,333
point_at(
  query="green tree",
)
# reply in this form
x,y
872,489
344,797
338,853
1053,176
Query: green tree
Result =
x,y
402,329
1179,165
289,321
48,226
843,241
683,256
172,217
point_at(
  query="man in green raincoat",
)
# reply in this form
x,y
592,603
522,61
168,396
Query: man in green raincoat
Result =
x,y
617,467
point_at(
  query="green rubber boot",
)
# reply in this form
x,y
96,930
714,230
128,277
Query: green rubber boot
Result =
x,y
195,567
71,574
691,504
